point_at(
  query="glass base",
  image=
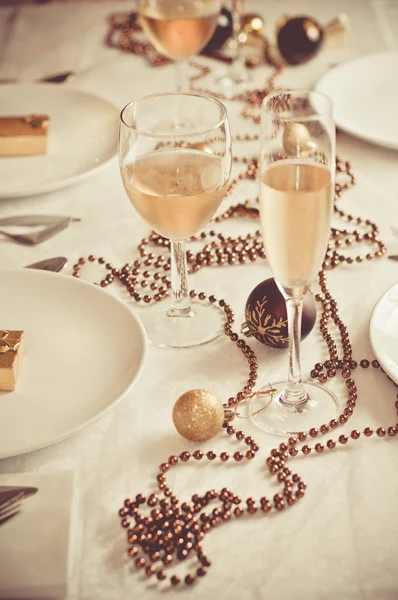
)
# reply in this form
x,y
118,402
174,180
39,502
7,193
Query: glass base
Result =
x,y
282,418
204,324
232,84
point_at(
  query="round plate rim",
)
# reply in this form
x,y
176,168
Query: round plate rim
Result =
x,y
372,328
345,125
119,398
68,181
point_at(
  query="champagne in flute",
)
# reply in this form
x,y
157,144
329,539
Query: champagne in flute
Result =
x,y
179,28
296,205
175,191
295,210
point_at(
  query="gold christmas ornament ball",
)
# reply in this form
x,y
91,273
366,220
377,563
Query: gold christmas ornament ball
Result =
x,y
198,415
253,22
296,139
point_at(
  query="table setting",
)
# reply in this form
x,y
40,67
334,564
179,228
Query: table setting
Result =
x,y
198,266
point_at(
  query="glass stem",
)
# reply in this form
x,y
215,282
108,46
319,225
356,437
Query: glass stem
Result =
x,y
181,76
294,392
237,63
180,300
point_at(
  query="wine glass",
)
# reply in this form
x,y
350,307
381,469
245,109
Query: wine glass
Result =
x,y
176,179
179,29
236,78
297,170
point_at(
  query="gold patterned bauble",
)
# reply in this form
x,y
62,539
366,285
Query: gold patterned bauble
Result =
x,y
297,140
266,315
198,415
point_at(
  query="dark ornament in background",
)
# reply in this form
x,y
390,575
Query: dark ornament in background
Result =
x,y
266,317
222,33
299,39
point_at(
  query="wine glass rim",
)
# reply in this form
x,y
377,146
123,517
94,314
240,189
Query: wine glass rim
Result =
x,y
299,92
178,134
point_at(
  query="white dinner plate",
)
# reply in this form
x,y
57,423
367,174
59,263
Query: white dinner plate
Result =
x,y
364,92
384,331
82,137
84,351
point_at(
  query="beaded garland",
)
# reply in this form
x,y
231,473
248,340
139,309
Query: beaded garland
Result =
x,y
168,531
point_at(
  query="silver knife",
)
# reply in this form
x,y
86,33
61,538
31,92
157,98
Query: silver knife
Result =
x,y
56,78
50,264
33,220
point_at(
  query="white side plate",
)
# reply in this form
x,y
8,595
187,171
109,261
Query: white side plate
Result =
x,y
365,97
84,351
82,137
384,331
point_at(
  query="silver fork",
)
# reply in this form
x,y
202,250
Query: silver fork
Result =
x,y
10,501
11,508
7,514
38,236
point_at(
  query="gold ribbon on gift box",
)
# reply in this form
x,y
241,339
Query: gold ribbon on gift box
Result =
x,y
7,344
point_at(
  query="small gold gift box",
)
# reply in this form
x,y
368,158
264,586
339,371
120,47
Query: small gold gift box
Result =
x,y
12,346
23,136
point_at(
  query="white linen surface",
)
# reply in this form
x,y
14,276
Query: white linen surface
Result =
x,y
37,546
341,540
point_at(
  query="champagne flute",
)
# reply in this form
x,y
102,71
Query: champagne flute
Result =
x,y
176,179
179,29
297,168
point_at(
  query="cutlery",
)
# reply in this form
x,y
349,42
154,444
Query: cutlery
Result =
x,y
56,78
5,519
10,499
34,220
38,236
10,503
393,257
8,511
11,494
50,264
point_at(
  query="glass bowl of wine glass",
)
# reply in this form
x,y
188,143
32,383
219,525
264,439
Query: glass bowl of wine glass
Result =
x,y
179,29
176,179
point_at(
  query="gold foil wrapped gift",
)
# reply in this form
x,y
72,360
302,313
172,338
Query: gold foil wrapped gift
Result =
x,y
12,346
23,136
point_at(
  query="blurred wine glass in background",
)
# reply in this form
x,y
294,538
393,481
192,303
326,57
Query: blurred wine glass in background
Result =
x,y
179,29
236,79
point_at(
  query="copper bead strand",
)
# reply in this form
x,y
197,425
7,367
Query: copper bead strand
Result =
x,y
169,531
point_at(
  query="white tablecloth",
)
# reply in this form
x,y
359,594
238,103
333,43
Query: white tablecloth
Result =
x,y
341,540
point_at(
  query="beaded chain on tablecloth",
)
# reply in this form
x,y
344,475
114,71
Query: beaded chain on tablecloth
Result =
x,y
169,531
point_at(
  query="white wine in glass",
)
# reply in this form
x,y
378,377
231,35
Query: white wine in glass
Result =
x,y
176,179
175,191
297,168
296,203
179,29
